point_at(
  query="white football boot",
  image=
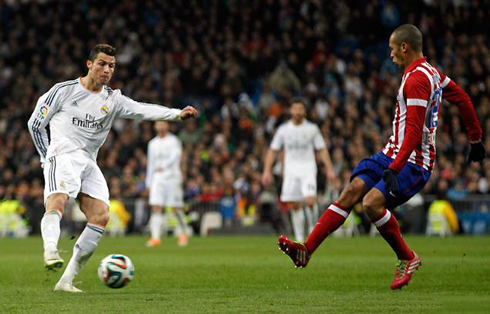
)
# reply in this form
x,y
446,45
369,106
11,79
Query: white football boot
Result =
x,y
52,260
66,286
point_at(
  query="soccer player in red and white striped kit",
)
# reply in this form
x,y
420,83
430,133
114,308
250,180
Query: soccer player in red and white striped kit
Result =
x,y
391,177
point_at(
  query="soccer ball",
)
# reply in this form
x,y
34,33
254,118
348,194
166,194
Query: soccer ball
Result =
x,y
116,271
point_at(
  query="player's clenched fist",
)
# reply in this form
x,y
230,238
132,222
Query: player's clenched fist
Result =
x,y
188,112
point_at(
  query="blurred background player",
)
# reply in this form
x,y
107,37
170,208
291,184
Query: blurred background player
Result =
x,y
300,140
391,177
80,114
164,179
348,80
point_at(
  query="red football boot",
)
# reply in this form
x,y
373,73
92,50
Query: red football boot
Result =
x,y
297,251
404,271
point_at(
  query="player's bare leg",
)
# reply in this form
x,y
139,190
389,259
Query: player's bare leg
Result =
x,y
50,230
181,228
97,213
155,223
374,204
330,221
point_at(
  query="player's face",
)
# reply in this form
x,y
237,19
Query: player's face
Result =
x,y
161,127
102,68
298,112
396,53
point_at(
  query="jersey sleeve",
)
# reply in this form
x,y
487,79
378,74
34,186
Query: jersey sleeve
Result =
x,y
318,141
131,109
47,105
417,92
278,139
455,95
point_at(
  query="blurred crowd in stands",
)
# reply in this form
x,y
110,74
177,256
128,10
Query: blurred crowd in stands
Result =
x,y
239,63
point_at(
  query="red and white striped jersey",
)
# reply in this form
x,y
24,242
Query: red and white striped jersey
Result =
x,y
417,109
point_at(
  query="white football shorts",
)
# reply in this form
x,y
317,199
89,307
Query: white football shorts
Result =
x,y
167,193
295,188
72,173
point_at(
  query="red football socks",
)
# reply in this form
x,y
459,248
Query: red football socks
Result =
x,y
330,221
388,228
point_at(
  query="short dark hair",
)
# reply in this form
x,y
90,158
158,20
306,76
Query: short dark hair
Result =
x,y
105,48
409,34
300,100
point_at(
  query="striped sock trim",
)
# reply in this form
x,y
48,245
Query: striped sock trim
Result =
x,y
96,228
338,210
383,220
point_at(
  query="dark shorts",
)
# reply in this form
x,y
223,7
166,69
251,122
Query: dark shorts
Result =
x,y
411,179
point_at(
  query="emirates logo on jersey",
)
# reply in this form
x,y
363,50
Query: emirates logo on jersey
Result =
x,y
104,109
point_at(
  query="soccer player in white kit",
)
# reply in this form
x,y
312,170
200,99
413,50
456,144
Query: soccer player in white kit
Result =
x,y
164,179
300,139
80,114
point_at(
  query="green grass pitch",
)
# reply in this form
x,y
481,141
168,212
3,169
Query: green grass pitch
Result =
x,y
237,274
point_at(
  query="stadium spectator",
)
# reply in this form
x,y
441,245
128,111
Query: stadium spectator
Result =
x,y
159,48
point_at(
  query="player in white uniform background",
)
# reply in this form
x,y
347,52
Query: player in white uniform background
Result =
x,y
80,114
164,179
301,140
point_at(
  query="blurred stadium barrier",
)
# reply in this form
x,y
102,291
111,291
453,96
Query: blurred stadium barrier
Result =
x,y
471,215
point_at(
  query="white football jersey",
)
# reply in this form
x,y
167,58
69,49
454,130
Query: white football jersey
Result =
x,y
164,154
300,143
81,119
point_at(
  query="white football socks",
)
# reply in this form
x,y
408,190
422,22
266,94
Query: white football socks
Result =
x,y
83,249
181,223
298,218
316,213
311,216
50,229
155,223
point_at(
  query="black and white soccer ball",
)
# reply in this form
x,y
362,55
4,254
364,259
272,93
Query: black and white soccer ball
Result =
x,y
116,271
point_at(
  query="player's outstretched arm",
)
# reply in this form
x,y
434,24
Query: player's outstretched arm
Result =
x,y
456,95
131,109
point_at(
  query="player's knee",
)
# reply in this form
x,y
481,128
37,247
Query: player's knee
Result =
x,y
56,202
349,196
371,206
101,218
157,209
295,205
104,218
310,202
